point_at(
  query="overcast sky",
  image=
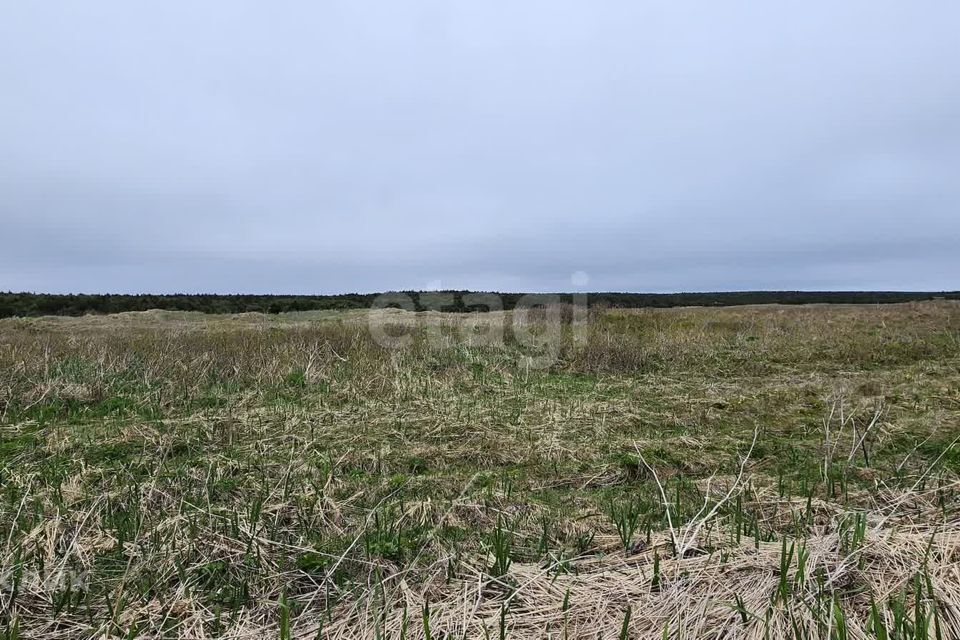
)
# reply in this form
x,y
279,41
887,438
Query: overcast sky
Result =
x,y
322,147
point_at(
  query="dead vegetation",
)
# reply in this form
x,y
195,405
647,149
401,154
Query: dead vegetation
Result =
x,y
765,472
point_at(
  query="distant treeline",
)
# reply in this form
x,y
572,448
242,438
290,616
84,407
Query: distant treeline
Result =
x,y
40,304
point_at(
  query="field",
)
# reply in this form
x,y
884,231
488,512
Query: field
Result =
x,y
755,472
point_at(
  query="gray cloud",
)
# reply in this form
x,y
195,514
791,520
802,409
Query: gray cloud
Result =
x,y
338,146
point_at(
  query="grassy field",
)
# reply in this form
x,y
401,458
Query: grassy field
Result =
x,y
755,472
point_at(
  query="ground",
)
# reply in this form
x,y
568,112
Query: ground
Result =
x,y
766,471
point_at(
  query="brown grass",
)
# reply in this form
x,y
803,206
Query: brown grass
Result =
x,y
178,475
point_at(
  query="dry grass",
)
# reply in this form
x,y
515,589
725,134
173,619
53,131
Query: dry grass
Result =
x,y
179,475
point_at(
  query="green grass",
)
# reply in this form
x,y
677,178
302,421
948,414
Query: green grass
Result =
x,y
271,476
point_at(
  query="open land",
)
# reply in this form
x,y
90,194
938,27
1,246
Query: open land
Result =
x,y
750,472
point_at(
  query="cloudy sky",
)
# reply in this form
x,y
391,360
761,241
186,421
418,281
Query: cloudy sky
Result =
x,y
330,146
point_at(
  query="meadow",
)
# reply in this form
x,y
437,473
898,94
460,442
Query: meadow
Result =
x,y
745,472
